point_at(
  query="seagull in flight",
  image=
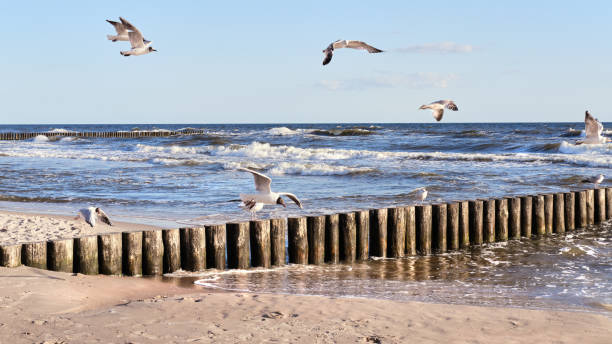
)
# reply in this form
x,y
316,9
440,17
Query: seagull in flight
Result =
x,y
342,43
438,108
592,130
122,32
140,46
595,179
92,214
255,202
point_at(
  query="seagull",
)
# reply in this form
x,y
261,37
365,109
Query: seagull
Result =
x,y
122,32
592,130
329,51
139,45
438,108
255,202
595,179
420,193
92,214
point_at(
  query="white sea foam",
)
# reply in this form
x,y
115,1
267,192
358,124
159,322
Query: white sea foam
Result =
x,y
41,138
282,131
570,148
61,130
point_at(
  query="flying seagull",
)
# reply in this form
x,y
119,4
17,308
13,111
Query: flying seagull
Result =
x,y
139,45
438,108
255,202
592,130
595,179
122,32
329,51
92,214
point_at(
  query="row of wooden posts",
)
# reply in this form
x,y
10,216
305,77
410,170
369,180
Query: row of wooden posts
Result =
x,y
102,134
347,237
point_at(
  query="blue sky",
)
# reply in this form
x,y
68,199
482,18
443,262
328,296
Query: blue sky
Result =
x,y
260,62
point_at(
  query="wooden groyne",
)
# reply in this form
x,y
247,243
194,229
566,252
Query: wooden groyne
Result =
x,y
347,237
99,134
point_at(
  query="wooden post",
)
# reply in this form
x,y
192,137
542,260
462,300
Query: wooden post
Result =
x,y
539,222
362,219
215,245
34,255
132,253
439,226
315,231
600,205
423,228
548,213
464,224
590,206
501,219
526,214
86,251
609,203
411,231
10,255
559,213
488,225
172,250
260,243
348,237
378,232
570,204
193,249
332,239
476,222
60,255
298,240
238,245
109,253
152,257
452,226
396,232
581,209
278,233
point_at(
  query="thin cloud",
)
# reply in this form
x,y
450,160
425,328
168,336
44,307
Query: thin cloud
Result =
x,y
410,81
438,48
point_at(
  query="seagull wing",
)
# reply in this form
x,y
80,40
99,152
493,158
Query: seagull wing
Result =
x,y
292,197
128,25
592,127
262,182
341,43
136,39
328,56
119,27
362,45
86,212
438,113
103,217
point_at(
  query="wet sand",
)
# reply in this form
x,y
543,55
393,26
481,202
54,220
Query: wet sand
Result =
x,y
39,306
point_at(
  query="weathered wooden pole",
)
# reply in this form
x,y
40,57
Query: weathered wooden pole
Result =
x,y
60,255
152,253
539,222
581,209
609,203
378,232
590,206
34,255
476,222
298,240
194,249
452,226
238,245
488,223
526,214
600,205
438,227
10,255
559,213
172,250
423,228
278,233
411,231
549,203
315,230
110,253
332,239
260,243
132,253
501,219
464,224
86,255
396,232
362,219
569,200
348,237
215,244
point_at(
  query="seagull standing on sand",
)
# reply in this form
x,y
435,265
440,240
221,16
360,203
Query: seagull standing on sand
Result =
x,y
139,45
595,179
329,51
92,214
438,108
592,130
255,202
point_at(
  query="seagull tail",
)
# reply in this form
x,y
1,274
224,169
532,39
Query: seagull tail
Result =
x,y
112,38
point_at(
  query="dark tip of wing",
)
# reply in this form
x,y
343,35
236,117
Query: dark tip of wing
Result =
x,y
112,22
375,50
106,220
328,58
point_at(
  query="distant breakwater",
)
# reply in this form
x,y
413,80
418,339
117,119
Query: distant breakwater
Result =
x,y
99,134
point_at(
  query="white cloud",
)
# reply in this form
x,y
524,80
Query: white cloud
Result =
x,y
439,48
411,81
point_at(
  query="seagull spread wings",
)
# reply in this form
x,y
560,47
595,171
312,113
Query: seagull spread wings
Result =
x,y
103,217
355,45
592,127
438,108
262,182
119,27
134,34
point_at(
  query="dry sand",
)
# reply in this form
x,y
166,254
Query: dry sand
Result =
x,y
18,227
38,306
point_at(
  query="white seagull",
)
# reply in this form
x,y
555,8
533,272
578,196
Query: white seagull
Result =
x,y
255,202
342,43
595,179
92,214
438,108
592,130
420,193
139,45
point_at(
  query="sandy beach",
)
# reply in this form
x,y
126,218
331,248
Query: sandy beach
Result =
x,y
49,307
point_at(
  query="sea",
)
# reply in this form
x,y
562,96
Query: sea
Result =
x,y
189,180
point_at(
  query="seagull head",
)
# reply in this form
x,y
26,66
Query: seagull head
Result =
x,y
151,49
281,202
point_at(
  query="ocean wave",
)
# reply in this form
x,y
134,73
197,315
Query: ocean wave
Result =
x,y
342,132
282,131
547,147
570,148
571,132
470,133
61,130
319,169
40,138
